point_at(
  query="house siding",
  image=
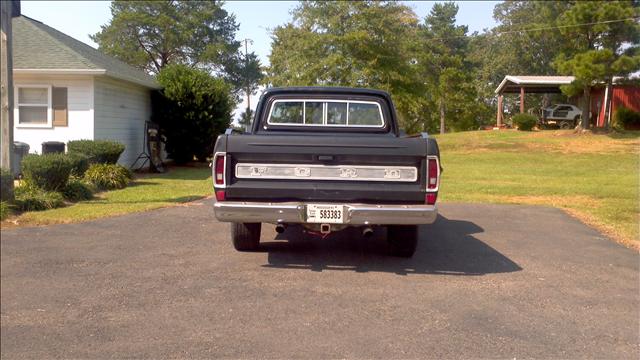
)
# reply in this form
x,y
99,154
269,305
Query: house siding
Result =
x,y
121,109
80,111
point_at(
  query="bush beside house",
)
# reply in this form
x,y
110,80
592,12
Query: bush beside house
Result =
x,y
97,151
108,176
50,179
192,110
48,171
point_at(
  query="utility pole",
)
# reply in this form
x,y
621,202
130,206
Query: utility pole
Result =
x,y
247,85
8,10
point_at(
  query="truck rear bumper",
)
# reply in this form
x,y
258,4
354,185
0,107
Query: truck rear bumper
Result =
x,y
354,214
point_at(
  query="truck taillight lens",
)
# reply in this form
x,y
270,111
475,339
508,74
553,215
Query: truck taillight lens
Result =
x,y
432,174
219,169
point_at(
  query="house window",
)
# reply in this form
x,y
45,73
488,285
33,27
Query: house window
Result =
x,y
33,105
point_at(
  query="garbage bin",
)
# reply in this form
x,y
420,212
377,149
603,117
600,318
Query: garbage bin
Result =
x,y
20,150
49,147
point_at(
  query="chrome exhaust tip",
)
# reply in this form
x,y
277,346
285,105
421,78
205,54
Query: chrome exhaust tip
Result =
x,y
280,229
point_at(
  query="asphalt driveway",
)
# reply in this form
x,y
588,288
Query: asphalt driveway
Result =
x,y
487,281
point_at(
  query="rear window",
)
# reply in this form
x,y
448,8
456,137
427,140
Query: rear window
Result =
x,y
309,112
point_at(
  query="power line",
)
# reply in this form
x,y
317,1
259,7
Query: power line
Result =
x,y
543,28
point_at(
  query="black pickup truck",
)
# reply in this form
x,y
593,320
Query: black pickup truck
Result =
x,y
327,158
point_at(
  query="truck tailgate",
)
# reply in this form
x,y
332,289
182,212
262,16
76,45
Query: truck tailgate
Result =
x,y
363,169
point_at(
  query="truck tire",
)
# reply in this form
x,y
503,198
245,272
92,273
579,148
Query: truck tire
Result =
x,y
245,236
403,240
565,125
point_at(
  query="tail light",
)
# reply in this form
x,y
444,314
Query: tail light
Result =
x,y
219,181
433,180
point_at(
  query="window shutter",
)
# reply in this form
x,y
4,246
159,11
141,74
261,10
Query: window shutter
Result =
x,y
59,104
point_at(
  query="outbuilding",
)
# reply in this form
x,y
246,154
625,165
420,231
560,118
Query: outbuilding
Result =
x,y
623,94
67,90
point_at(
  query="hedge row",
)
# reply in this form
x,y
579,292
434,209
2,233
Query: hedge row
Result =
x,y
49,179
97,151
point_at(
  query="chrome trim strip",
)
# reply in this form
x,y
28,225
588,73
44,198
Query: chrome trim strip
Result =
x,y
295,212
326,172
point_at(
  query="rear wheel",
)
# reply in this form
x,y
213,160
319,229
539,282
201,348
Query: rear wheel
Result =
x,y
245,236
565,125
403,240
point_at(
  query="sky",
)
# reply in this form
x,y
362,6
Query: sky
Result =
x,y
79,19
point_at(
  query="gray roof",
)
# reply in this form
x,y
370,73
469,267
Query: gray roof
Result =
x,y
37,46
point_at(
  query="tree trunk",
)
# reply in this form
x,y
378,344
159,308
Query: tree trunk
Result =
x,y
586,102
441,105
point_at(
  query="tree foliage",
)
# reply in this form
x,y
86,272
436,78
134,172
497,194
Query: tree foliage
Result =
x,y
153,34
383,45
443,62
246,118
246,74
192,109
599,52
359,44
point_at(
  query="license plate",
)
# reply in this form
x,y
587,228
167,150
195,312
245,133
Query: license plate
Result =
x,y
326,214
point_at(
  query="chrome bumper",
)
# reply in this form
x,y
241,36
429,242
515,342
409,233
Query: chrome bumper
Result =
x,y
354,214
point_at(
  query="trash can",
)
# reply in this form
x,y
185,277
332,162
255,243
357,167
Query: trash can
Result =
x,y
20,150
49,147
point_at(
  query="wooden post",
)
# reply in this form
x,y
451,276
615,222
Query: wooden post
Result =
x,y
499,112
8,10
521,100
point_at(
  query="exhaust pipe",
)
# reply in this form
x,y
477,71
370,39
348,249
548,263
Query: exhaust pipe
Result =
x,y
280,228
367,232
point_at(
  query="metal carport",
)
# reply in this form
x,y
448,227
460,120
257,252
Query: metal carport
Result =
x,y
514,84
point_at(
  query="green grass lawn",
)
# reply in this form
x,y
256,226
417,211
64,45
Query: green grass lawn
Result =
x,y
146,192
593,177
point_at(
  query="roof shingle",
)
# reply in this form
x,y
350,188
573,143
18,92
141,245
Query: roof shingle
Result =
x,y
38,46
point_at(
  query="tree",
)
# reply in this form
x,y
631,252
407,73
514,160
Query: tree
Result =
x,y
246,74
442,62
153,34
605,47
516,46
246,118
192,109
360,44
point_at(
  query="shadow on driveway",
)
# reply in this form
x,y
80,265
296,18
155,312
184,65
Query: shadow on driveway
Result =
x,y
446,247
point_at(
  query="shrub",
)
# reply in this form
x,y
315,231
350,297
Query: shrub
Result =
x,y
108,176
48,171
525,122
625,118
77,190
32,198
79,164
5,210
192,109
98,151
6,185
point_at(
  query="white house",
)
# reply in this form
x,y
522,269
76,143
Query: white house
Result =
x,y
67,90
